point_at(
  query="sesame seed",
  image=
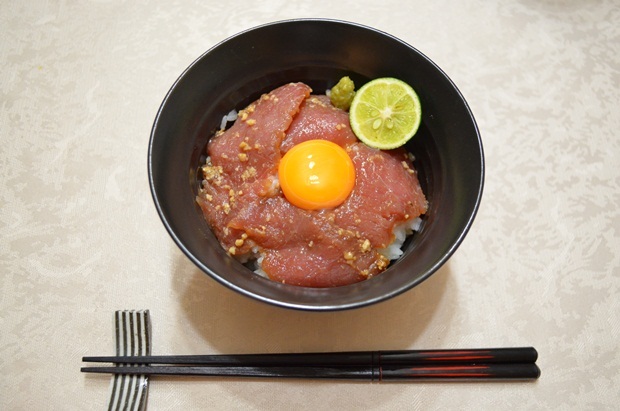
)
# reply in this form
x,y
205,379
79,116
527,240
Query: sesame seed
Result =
x,y
365,245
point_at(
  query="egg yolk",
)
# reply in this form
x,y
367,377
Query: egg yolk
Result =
x,y
316,174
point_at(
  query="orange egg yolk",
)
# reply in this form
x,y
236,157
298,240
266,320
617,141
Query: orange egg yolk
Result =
x,y
316,174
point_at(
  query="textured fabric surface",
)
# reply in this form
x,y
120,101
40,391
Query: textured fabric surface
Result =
x,y
80,85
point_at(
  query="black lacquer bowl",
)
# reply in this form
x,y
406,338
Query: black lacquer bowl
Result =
x,y
448,149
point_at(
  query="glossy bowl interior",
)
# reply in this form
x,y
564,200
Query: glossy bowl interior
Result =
x,y
448,149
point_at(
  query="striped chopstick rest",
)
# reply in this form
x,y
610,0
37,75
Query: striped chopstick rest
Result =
x,y
133,337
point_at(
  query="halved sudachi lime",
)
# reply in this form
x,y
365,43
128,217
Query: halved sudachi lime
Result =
x,y
385,113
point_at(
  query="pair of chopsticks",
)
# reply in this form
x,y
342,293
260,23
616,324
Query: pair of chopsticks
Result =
x,y
517,363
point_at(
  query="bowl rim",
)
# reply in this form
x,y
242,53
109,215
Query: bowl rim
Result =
x,y
301,306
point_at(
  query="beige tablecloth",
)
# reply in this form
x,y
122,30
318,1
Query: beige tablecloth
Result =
x,y
80,238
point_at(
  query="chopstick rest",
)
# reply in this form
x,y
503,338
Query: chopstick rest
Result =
x,y
133,338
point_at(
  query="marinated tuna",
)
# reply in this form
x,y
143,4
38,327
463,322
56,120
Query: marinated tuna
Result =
x,y
241,198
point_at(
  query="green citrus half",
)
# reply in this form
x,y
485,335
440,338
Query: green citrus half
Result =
x,y
385,113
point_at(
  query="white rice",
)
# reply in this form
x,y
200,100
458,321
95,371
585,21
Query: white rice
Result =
x,y
401,232
228,118
259,266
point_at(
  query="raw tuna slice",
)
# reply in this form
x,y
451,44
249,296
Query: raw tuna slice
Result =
x,y
249,150
318,119
242,161
387,192
304,247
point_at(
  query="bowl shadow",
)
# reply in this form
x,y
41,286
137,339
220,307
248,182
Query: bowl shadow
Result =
x,y
232,323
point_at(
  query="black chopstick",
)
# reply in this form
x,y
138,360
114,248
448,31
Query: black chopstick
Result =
x,y
458,372
332,359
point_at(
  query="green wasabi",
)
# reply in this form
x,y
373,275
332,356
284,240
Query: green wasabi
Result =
x,y
342,93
